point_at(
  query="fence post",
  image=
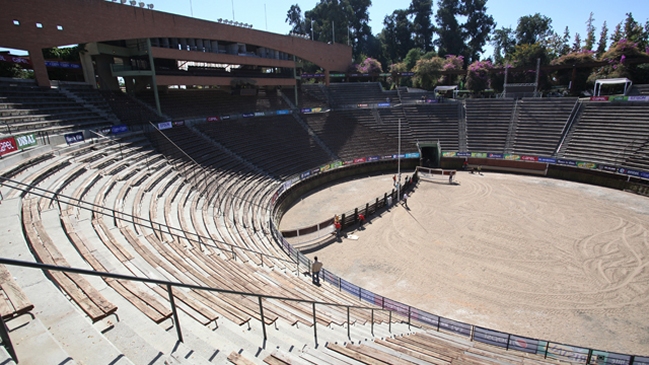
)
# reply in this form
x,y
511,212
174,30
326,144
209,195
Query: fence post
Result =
x,y
315,331
547,347
355,215
390,322
342,221
174,312
261,314
372,328
340,284
348,325
509,336
385,199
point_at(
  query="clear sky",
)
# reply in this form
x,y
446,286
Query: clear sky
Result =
x,y
270,15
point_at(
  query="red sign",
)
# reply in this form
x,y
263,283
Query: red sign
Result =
x,y
530,158
599,98
213,119
359,160
7,145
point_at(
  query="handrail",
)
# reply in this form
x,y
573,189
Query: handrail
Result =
x,y
568,125
134,220
170,285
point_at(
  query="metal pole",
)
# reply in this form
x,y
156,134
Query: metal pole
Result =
x,y
333,32
312,29
175,313
399,164
538,71
315,331
372,328
348,325
261,313
390,323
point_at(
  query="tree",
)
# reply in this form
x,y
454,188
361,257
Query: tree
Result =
x,y
634,32
396,35
557,45
617,33
590,33
504,42
422,26
450,39
525,56
411,58
295,20
576,45
427,73
533,29
477,28
565,76
603,37
359,23
618,57
477,76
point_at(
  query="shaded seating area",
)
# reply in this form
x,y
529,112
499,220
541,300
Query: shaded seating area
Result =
x,y
435,122
359,93
540,123
487,124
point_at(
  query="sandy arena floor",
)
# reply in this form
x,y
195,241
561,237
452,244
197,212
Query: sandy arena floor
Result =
x,y
537,257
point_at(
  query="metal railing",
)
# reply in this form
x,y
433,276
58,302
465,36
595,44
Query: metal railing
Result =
x,y
132,219
169,285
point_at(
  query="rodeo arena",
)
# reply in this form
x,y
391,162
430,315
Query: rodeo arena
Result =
x,y
147,220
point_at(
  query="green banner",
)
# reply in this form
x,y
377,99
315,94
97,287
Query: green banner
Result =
x,y
449,154
512,157
618,98
479,154
586,165
26,141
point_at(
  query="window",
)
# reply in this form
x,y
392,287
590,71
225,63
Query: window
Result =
x,y
59,27
39,25
16,22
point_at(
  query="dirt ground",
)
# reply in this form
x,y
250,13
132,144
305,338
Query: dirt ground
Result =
x,y
533,256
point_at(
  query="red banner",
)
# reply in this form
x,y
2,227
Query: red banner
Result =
x,y
213,119
599,98
7,145
530,158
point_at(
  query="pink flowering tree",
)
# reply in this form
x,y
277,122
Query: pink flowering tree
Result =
x,y
618,59
452,63
369,66
565,76
477,76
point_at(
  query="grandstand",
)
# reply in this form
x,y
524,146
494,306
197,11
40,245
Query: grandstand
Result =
x,y
177,210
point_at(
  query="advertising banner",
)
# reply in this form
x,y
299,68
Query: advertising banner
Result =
x,y
639,98
360,160
564,352
383,105
165,125
566,162
407,74
213,119
117,129
26,141
373,158
178,123
463,154
491,337
495,155
362,105
258,114
248,115
424,317
449,154
523,344
305,110
62,64
608,168
512,157
455,326
315,171
547,159
403,155
641,360
530,158
400,308
602,357
74,137
412,155
387,157
304,175
283,112
7,145
625,171
644,174
431,101
479,154
367,296
586,165
618,98
225,117
599,98
316,110
349,287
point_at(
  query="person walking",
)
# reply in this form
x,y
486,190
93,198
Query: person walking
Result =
x,y
315,271
405,200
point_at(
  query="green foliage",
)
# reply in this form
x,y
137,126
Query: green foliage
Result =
x,y
450,39
618,57
525,56
504,43
13,70
603,38
295,20
565,76
422,26
427,73
590,33
533,29
396,36
411,58
477,28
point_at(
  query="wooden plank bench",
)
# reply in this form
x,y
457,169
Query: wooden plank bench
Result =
x,y
76,286
14,302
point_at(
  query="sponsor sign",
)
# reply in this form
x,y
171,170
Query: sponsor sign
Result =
x,y
463,154
74,137
495,155
305,110
337,164
349,287
325,168
564,352
258,114
407,73
599,98
566,162
165,125
386,157
394,157
225,117
455,326
608,168
248,115
618,98
362,105
491,337
390,304
644,174
367,296
105,131
383,105
26,141
315,171
62,64
213,119
360,160
412,155
639,98
523,344
304,175
586,165
117,129
610,358
479,154
641,360
330,75
424,317
629,172
316,110
373,158
512,157
449,154
547,159
7,145
431,101
178,123
530,158
283,112
19,60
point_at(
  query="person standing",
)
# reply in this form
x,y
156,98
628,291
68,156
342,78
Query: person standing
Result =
x,y
361,220
315,271
405,200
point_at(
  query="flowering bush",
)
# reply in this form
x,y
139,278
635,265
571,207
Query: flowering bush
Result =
x,y
618,65
565,76
477,76
369,66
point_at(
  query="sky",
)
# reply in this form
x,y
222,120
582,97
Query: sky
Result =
x,y
270,15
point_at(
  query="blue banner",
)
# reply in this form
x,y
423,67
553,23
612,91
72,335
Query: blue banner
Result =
x,y
496,155
117,129
304,175
248,115
383,105
74,137
624,171
412,155
608,168
283,112
373,158
463,154
225,117
305,110
491,337
566,162
547,160
455,326
164,125
178,123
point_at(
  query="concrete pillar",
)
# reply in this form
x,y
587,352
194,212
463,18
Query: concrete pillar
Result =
x,y
40,71
106,79
88,69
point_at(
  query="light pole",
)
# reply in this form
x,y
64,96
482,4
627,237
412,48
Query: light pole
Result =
x,y
399,164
